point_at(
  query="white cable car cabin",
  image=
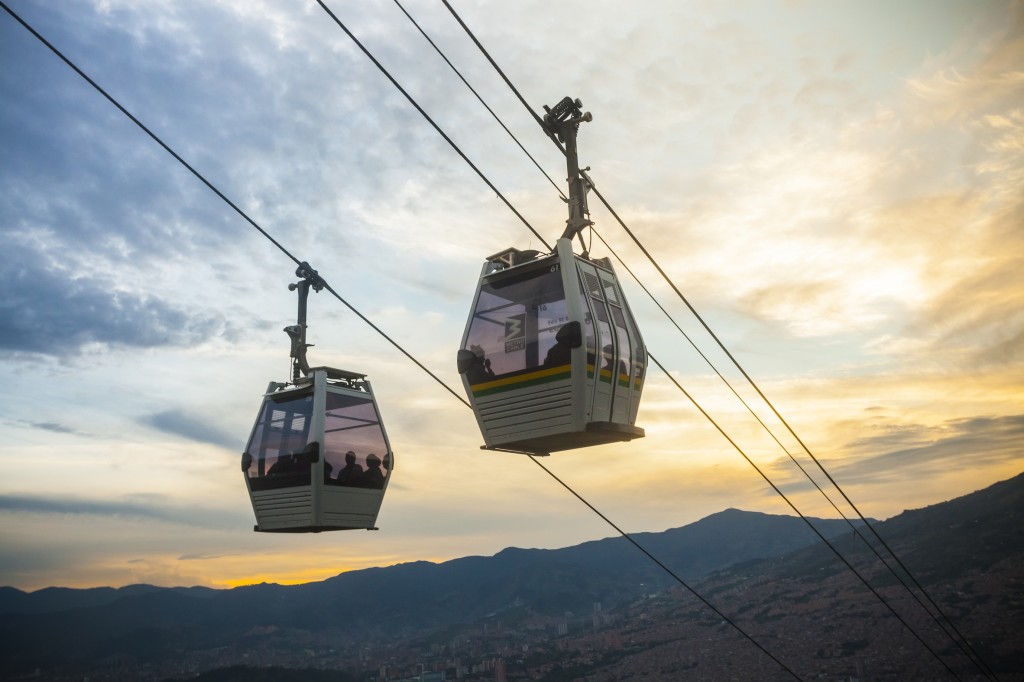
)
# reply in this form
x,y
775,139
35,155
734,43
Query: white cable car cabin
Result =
x,y
551,358
318,457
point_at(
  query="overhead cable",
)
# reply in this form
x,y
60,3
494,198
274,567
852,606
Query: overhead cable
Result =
x,y
805,519
665,568
412,101
481,99
216,191
856,529
943,621
382,333
429,120
975,658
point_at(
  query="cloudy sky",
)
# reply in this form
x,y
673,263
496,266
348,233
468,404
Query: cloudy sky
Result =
x,y
836,188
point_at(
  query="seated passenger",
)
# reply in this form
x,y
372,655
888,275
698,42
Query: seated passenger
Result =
x,y
374,477
559,354
284,465
351,473
480,371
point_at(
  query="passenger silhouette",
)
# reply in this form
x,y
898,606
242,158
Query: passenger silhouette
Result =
x,y
373,477
558,354
480,371
569,336
351,473
284,465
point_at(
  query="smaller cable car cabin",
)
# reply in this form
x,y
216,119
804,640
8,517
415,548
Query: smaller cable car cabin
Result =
x,y
318,457
551,358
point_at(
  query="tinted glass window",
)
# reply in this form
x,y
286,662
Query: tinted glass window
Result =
x,y
278,442
515,323
355,451
623,356
604,335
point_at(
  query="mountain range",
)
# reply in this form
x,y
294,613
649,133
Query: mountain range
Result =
x,y
771,576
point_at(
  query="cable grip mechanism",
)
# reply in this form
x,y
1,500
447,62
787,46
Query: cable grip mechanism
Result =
x,y
562,122
297,332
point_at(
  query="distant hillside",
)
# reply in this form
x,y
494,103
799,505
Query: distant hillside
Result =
x,y
51,599
63,628
813,613
597,611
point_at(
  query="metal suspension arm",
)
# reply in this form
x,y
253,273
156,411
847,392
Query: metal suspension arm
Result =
x,y
297,332
563,121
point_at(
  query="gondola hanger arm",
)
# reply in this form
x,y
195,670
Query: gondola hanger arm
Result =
x,y
297,331
563,122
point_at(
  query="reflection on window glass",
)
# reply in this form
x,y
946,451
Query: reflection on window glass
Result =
x,y
515,323
355,452
604,337
588,329
278,443
623,351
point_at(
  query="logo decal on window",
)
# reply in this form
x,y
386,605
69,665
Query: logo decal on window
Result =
x,y
515,333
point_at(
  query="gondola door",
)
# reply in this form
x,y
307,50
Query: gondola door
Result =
x,y
616,358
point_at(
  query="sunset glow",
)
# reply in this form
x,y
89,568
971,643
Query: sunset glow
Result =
x,y
835,187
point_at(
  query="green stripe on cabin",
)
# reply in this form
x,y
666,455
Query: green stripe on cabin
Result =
x,y
543,376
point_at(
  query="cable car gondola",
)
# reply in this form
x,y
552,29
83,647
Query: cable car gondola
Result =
x,y
551,358
318,458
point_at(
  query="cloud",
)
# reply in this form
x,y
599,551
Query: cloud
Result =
x,y
151,507
54,427
204,556
848,236
48,310
180,423
910,451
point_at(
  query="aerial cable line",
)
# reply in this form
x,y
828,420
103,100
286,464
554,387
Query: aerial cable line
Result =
x,y
412,101
486,106
962,642
436,127
942,625
513,88
593,231
979,662
665,568
374,327
146,130
220,194
805,519
425,115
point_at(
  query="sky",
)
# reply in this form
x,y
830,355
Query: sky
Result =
x,y
835,187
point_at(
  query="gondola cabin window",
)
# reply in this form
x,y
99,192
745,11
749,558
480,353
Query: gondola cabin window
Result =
x,y
355,450
515,323
280,458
